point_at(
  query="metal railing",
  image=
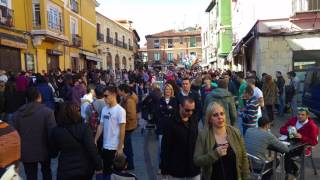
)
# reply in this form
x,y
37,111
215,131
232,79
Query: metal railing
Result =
x,y
110,40
74,6
118,43
306,5
6,17
76,40
125,45
130,48
100,36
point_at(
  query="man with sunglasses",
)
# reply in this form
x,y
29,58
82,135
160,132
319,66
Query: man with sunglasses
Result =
x,y
178,144
112,124
306,132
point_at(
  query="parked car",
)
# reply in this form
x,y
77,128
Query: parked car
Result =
x,y
311,95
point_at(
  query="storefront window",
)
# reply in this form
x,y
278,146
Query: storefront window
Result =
x,y
303,60
29,58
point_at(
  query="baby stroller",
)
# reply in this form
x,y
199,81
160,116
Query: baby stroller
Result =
x,y
150,110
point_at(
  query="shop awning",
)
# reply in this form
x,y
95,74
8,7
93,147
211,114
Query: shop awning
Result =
x,y
93,58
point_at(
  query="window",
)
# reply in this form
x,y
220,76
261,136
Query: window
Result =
x,y
170,43
156,56
29,62
116,36
181,55
170,56
193,42
156,43
55,19
307,5
108,33
73,25
123,42
4,2
74,6
181,40
36,14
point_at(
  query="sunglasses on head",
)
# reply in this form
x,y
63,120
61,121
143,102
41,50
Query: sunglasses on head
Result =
x,y
303,109
217,114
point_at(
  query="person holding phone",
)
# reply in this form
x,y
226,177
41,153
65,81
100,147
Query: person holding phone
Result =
x,y
220,149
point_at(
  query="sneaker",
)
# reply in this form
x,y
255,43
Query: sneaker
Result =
x,y
290,177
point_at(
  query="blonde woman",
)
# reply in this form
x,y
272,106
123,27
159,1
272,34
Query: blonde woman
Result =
x,y
220,149
168,107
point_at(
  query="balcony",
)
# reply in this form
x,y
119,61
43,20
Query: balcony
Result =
x,y
109,40
74,6
125,45
118,43
6,17
100,37
130,48
76,40
306,5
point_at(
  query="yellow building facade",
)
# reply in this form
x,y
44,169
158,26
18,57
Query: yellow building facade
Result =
x,y
46,35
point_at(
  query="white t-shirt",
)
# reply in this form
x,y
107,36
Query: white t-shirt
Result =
x,y
258,94
111,119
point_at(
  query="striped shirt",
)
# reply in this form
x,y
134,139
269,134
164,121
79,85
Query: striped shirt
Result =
x,y
250,113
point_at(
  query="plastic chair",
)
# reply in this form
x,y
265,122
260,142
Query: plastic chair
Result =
x,y
258,172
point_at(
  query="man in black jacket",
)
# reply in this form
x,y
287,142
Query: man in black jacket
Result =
x,y
179,138
187,92
34,122
280,84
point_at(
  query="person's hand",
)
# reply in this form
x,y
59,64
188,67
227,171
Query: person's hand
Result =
x,y
119,152
298,135
164,177
99,172
222,150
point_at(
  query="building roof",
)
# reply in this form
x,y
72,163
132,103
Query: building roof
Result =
x,y
136,34
174,33
211,5
113,21
143,49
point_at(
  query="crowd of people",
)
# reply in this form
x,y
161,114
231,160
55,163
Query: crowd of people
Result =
x,y
206,122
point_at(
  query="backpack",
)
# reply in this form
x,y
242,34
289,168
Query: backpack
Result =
x,y
93,119
290,92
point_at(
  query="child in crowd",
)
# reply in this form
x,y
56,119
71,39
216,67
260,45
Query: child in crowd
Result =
x,y
119,166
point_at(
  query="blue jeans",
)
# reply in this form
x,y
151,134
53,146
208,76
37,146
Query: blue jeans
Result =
x,y
281,105
128,150
294,106
159,147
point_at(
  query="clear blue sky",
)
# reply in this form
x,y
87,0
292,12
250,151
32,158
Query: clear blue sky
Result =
x,y
152,16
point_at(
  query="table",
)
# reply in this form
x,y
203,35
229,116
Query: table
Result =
x,y
294,145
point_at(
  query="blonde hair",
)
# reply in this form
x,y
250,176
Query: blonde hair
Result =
x,y
170,87
209,112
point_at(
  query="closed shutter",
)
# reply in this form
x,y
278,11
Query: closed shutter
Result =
x,y
10,59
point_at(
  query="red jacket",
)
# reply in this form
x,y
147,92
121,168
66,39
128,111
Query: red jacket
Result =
x,y
309,131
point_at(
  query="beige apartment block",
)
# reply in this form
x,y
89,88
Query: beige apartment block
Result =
x,y
174,46
115,40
